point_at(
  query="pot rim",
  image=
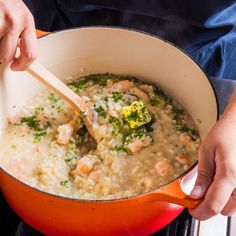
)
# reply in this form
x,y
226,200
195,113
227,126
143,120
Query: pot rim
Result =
x,y
138,195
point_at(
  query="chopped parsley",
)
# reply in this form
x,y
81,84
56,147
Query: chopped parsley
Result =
x,y
180,125
59,108
128,101
34,124
101,111
99,79
53,97
83,83
116,123
79,84
96,79
65,183
70,155
71,144
178,113
134,134
138,133
120,149
39,134
116,96
38,111
160,93
155,101
191,132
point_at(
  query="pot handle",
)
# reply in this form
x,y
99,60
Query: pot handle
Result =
x,y
40,33
173,193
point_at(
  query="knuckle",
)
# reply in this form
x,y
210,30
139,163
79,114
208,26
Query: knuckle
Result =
x,y
16,22
29,17
213,209
18,66
225,213
232,171
12,22
198,215
201,218
30,56
21,68
228,171
204,176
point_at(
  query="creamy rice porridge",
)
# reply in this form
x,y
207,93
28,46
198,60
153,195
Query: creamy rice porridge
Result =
x,y
144,140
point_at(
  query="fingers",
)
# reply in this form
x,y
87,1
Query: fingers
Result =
x,y
216,181
16,29
206,172
230,207
28,50
8,45
9,35
220,190
215,199
3,30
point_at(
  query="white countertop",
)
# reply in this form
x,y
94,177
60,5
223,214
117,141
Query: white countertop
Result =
x,y
216,226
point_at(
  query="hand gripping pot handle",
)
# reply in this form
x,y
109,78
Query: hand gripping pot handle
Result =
x,y
177,191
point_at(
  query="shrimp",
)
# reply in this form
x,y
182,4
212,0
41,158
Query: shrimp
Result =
x,y
182,159
85,165
65,132
139,93
43,121
13,120
147,88
185,139
122,86
95,175
135,146
163,168
24,129
132,98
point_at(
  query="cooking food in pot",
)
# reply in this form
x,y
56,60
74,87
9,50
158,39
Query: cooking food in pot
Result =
x,y
144,139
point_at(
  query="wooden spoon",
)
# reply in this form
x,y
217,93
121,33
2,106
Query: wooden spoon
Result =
x,y
53,83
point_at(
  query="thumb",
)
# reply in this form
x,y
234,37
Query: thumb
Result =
x,y
206,170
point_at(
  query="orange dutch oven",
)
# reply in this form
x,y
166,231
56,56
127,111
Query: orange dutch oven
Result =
x,y
89,50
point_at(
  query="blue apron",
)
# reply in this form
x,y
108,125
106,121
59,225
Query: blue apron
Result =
x,y
203,28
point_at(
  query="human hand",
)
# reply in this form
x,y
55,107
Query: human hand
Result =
x,y
17,29
216,180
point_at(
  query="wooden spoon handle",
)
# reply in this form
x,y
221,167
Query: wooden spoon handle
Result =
x,y
55,84
52,82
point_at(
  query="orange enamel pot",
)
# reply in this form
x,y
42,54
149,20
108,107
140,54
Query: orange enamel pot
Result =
x,y
97,50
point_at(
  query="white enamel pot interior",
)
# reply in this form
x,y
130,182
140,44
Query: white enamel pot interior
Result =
x,y
78,52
